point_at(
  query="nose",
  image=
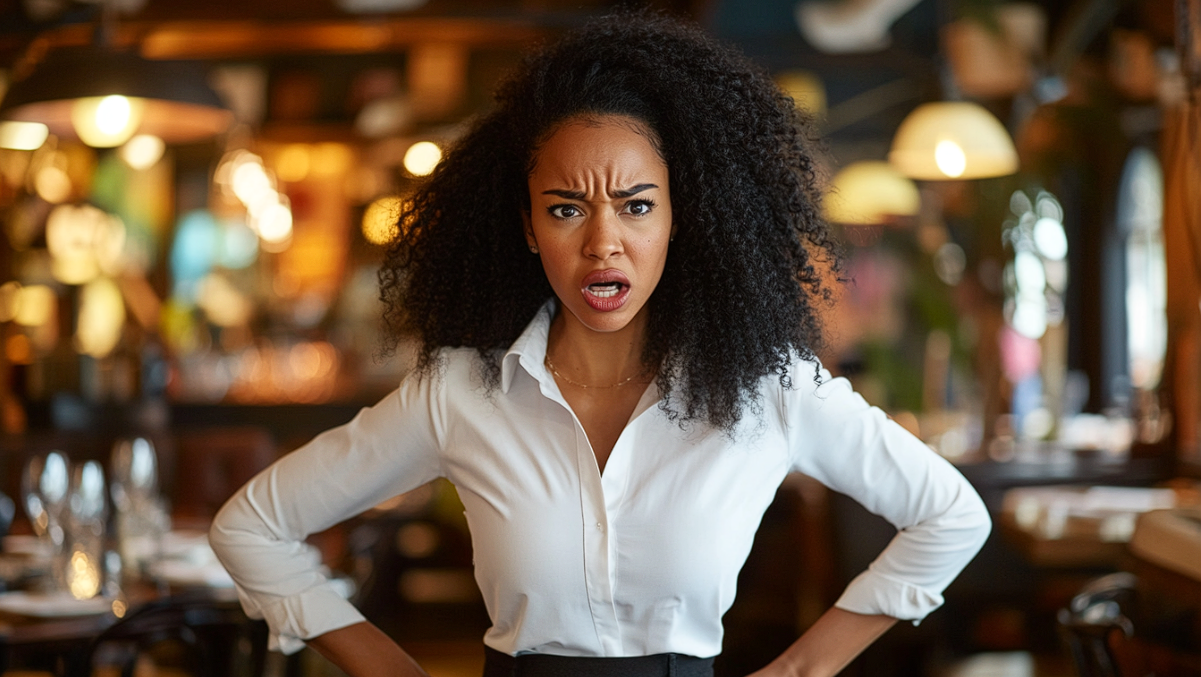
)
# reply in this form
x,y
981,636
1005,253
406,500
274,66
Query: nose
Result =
x,y
604,237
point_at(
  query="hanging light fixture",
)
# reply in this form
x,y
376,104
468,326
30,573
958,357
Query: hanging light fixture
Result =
x,y
870,193
952,140
104,96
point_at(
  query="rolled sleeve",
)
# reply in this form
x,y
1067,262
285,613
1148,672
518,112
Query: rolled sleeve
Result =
x,y
874,593
387,449
854,448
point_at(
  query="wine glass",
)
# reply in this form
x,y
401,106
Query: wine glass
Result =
x,y
31,499
44,486
88,509
53,486
134,489
135,473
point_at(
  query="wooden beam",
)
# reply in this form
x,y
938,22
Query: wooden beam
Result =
x,y
215,39
240,39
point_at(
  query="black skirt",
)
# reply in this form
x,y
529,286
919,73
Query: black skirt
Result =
x,y
498,664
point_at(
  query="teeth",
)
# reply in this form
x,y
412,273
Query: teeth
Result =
x,y
604,290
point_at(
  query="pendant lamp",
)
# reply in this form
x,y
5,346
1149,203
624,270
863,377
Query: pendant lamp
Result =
x,y
870,193
952,140
104,96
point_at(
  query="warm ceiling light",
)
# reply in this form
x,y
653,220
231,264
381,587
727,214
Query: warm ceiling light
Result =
x,y
381,220
870,193
952,140
143,151
23,135
176,103
106,121
421,158
805,88
950,158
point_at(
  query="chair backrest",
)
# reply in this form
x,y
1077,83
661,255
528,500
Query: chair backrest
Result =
x,y
195,634
1095,613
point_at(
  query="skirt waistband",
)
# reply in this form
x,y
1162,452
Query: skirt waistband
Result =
x,y
499,664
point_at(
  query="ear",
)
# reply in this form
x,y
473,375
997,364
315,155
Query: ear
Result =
x,y
528,228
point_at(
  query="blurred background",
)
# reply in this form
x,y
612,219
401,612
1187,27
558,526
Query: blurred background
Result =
x,y
194,199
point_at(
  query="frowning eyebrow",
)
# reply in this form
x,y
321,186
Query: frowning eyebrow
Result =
x,y
618,194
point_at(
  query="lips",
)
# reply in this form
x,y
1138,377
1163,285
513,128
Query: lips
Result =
x,y
605,290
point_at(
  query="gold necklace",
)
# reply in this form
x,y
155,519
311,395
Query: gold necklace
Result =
x,y
551,365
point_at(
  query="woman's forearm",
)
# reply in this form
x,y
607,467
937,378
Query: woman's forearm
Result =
x,y
363,650
829,645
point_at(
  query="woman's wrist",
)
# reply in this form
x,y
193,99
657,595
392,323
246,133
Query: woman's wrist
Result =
x,y
363,650
829,645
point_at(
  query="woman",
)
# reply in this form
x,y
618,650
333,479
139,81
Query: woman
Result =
x,y
612,281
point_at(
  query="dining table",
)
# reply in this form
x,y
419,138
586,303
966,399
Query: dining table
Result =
x,y
49,632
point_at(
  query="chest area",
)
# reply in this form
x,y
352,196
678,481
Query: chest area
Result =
x,y
534,460
603,416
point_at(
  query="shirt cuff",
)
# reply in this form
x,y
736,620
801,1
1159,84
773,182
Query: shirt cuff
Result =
x,y
299,617
872,593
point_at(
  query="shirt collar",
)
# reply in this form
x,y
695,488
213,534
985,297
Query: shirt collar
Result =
x,y
529,350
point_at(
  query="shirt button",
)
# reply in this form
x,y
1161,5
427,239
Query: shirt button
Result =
x,y
599,527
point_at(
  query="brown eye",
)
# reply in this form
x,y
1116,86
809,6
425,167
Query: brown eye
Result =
x,y
639,207
564,211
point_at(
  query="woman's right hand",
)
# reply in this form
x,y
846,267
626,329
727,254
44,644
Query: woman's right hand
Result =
x,y
363,650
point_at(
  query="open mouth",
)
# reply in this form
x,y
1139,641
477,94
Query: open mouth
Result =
x,y
605,290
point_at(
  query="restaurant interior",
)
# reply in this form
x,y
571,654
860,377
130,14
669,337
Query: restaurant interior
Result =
x,y
195,197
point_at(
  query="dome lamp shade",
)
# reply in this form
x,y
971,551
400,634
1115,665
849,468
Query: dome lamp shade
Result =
x,y
947,140
870,193
104,96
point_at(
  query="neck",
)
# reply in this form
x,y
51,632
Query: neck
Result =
x,y
594,358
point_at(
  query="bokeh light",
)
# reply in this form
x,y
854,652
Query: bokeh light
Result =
x,y
194,249
16,135
83,242
274,225
331,159
37,304
950,158
422,157
1050,238
106,121
223,303
239,245
83,576
293,162
8,300
381,220
143,151
805,88
250,181
101,318
52,184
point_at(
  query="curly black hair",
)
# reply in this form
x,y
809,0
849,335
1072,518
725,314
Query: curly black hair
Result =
x,y
737,297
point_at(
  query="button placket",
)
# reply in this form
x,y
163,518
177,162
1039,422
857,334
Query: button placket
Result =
x,y
597,562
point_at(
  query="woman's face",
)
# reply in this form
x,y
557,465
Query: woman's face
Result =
x,y
600,218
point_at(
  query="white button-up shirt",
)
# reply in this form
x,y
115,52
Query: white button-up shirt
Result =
x,y
640,559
